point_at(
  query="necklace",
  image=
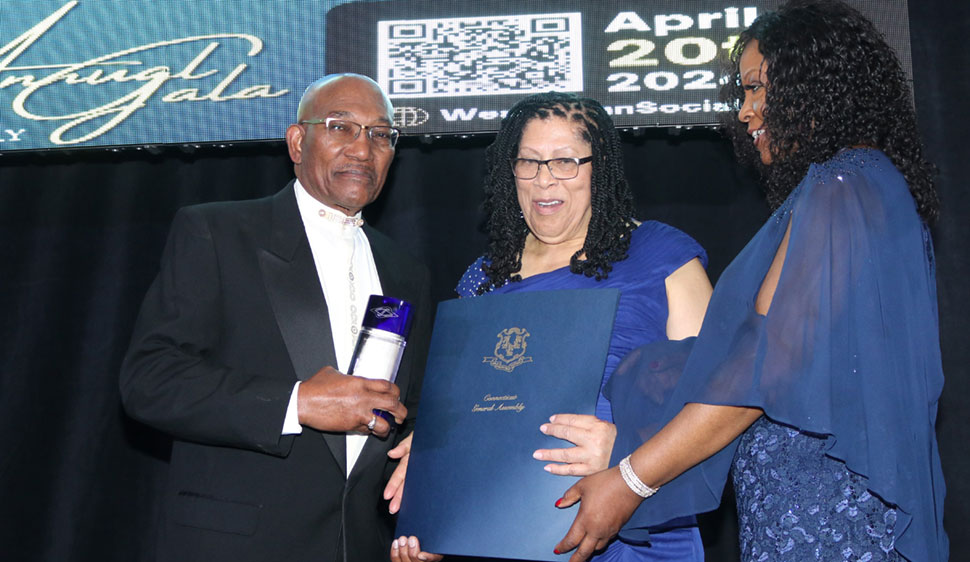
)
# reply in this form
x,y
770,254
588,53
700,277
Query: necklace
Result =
x,y
353,297
340,218
352,223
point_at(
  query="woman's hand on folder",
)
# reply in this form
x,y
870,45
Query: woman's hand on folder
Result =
x,y
395,486
593,439
605,504
408,549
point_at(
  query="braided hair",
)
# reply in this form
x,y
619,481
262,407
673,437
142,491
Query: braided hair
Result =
x,y
832,83
611,222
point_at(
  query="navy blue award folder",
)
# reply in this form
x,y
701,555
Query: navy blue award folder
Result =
x,y
498,367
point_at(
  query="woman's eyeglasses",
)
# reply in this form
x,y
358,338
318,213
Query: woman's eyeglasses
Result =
x,y
560,168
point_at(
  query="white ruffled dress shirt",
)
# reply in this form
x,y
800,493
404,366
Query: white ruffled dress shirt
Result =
x,y
348,276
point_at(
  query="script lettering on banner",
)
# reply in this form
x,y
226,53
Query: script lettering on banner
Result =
x,y
125,66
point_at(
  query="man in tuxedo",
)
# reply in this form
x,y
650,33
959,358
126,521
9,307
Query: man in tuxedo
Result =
x,y
240,344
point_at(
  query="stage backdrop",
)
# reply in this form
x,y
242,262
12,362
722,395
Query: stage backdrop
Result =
x,y
81,234
121,72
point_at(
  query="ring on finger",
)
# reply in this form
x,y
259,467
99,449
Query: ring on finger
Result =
x,y
372,423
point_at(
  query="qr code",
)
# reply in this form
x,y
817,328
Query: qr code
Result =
x,y
477,56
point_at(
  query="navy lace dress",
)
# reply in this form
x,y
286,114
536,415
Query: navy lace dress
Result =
x,y
656,251
834,516
846,365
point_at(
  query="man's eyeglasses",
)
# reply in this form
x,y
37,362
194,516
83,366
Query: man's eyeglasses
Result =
x,y
346,132
560,168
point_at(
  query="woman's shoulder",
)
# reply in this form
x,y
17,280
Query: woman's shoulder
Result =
x,y
856,175
654,240
851,163
472,278
659,231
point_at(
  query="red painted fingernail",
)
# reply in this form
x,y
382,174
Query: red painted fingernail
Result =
x,y
555,551
559,501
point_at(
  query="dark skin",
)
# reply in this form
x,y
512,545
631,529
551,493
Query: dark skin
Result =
x,y
333,401
699,430
346,177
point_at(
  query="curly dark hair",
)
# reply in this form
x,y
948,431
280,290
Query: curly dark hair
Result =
x,y
611,222
832,83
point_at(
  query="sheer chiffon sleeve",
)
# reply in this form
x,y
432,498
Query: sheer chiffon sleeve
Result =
x,y
848,350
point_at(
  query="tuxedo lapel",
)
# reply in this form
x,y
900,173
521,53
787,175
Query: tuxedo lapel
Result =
x,y
291,281
393,271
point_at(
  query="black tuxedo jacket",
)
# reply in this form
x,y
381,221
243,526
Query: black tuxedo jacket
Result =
x,y
234,318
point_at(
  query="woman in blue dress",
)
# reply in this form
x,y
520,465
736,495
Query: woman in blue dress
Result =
x,y
817,371
560,216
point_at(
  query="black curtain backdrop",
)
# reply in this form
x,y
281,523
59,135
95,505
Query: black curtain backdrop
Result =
x,y
81,234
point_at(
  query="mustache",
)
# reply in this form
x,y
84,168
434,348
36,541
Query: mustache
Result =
x,y
364,170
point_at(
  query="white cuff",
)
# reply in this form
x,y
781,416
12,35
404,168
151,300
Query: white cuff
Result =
x,y
291,423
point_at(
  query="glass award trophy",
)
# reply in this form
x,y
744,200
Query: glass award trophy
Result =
x,y
380,344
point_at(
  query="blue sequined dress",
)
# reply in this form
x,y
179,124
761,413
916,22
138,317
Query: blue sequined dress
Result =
x,y
656,251
846,365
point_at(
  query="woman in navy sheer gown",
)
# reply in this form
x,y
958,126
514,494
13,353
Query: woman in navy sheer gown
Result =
x,y
560,216
817,371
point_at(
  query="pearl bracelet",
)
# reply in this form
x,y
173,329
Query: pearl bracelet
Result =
x,y
633,481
